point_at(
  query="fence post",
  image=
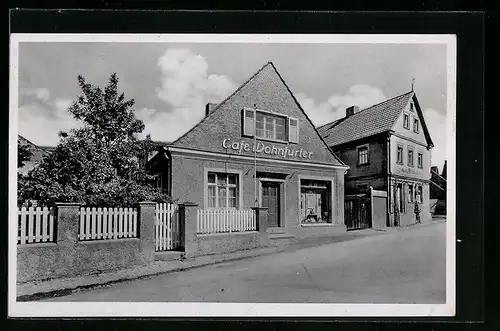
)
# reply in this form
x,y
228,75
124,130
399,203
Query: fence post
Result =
x,y
146,221
262,224
67,225
188,228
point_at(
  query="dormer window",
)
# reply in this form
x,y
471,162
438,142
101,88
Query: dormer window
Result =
x,y
415,125
406,121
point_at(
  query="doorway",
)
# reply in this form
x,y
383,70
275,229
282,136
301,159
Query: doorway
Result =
x,y
271,200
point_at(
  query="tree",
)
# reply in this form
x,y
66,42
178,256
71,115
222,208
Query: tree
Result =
x,y
101,162
23,154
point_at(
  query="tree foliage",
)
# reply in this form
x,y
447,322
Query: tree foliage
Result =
x,y
100,163
23,154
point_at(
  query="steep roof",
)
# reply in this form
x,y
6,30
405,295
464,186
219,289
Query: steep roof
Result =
x,y
367,122
37,152
269,87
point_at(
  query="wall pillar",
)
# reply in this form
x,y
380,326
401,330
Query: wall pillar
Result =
x,y
67,227
188,228
147,234
262,224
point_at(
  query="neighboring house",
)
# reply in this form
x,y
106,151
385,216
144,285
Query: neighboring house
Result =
x,y
387,147
257,148
37,154
438,190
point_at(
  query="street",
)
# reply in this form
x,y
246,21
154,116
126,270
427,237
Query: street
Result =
x,y
405,266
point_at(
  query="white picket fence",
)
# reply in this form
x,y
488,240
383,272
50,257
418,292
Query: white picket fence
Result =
x,y
107,223
167,227
225,220
35,225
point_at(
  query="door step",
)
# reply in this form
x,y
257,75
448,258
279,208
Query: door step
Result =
x,y
282,235
169,256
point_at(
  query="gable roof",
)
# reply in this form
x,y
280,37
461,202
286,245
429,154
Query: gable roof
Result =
x,y
370,121
269,65
37,152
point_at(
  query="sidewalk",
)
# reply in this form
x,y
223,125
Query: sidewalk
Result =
x,y
64,286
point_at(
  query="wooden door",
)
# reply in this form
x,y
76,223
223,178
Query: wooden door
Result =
x,y
271,200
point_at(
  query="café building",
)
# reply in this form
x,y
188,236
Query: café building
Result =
x,y
257,148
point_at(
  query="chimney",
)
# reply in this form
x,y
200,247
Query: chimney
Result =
x,y
209,108
351,111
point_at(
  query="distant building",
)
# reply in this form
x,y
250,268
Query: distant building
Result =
x,y
438,190
37,154
387,147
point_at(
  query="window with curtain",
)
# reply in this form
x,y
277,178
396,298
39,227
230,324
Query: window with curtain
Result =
x,y
222,190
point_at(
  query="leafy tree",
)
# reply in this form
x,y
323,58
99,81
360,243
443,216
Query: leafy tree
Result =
x,y
102,162
23,154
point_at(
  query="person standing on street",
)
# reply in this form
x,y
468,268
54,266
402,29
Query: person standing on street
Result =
x,y
417,211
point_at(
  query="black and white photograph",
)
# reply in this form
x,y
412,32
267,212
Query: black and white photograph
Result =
x,y
232,175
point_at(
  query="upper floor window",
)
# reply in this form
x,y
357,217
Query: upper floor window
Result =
x,y
400,155
411,106
362,154
222,190
420,160
406,121
415,125
410,157
270,126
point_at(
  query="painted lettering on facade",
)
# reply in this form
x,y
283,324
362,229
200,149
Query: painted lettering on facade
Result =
x,y
272,149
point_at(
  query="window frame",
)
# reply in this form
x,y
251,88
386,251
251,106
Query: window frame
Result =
x,y
367,146
406,116
411,192
419,197
239,176
412,159
402,154
420,160
416,128
286,128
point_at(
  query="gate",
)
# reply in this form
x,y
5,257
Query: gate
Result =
x,y
167,227
357,212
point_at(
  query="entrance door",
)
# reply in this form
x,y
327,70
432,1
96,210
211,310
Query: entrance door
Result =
x,y
271,200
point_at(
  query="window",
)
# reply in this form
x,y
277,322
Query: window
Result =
x,y
418,194
270,126
400,155
420,160
362,155
410,157
411,106
222,190
293,129
410,192
415,125
315,201
406,122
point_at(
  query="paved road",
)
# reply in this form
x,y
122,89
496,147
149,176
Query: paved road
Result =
x,y
398,267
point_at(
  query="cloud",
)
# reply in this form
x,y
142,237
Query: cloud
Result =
x,y
334,107
436,124
38,127
41,94
186,87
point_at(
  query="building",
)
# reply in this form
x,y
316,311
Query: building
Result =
x,y
257,148
387,147
438,190
37,154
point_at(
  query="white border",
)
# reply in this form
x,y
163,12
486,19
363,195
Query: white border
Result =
x,y
118,309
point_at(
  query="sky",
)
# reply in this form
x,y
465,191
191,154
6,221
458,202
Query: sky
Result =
x,y
172,82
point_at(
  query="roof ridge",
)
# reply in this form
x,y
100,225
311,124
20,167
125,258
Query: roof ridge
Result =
x,y
362,110
224,101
